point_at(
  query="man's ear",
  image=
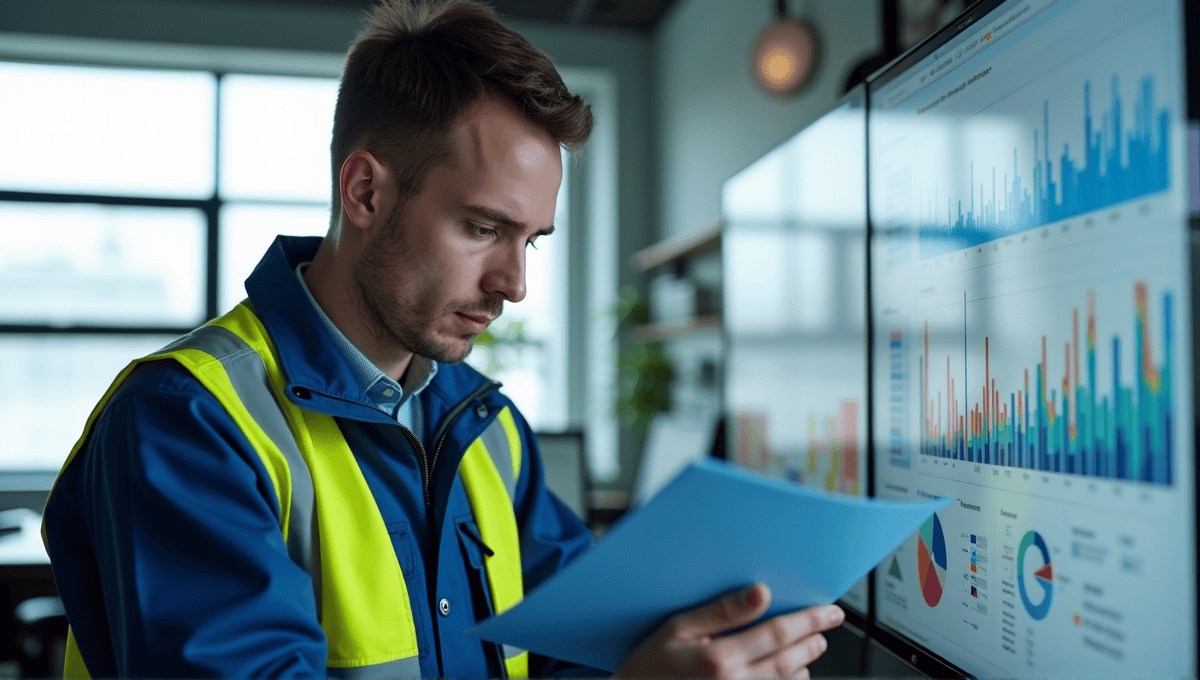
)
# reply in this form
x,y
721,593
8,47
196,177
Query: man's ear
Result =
x,y
367,190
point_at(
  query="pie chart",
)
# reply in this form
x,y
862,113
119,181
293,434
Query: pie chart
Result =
x,y
931,560
1038,573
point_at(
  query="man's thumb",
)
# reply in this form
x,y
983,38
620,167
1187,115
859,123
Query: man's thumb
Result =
x,y
728,612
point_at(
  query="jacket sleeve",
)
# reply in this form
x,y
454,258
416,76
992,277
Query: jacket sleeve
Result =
x,y
194,574
551,537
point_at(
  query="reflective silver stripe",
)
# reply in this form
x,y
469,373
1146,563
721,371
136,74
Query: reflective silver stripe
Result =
x,y
400,668
248,376
510,651
496,441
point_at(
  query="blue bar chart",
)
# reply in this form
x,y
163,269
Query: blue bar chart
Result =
x,y
1117,165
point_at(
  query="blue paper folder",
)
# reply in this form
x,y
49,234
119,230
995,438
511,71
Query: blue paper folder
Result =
x,y
713,529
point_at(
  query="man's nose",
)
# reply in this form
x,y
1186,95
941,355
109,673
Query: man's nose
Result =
x,y
506,278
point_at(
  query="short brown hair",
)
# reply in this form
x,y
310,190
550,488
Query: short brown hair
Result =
x,y
417,66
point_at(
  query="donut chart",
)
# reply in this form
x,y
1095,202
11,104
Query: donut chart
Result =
x,y
931,560
1042,576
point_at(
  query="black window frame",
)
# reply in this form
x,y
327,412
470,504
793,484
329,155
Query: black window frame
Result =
x,y
210,207
40,479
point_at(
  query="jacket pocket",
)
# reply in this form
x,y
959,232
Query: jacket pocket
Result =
x,y
406,553
475,552
402,543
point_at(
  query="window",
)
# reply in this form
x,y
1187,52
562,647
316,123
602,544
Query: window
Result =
x,y
282,123
116,132
133,205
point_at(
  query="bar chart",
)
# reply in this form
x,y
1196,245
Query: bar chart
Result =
x,y
1117,165
829,459
836,451
1064,423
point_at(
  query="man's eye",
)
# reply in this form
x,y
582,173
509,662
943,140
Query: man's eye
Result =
x,y
481,230
531,244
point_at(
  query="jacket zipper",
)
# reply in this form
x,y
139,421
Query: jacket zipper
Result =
x,y
426,470
427,465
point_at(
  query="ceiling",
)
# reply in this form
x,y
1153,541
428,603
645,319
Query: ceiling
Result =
x,y
637,15
640,15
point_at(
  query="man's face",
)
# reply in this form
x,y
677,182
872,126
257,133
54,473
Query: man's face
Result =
x,y
440,270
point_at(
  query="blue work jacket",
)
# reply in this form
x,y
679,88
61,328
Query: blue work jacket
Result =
x,y
164,534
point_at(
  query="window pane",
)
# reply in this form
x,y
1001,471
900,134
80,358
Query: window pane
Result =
x,y
51,384
529,354
107,131
275,134
80,264
246,233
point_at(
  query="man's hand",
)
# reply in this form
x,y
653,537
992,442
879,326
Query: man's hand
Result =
x,y
690,645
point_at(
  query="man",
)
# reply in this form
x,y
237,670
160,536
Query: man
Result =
x,y
313,484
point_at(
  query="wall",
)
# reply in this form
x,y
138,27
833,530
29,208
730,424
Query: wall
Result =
x,y
712,118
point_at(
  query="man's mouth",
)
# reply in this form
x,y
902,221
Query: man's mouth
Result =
x,y
479,320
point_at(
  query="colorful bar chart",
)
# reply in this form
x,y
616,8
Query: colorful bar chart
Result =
x,y
839,447
1124,435
1116,166
830,459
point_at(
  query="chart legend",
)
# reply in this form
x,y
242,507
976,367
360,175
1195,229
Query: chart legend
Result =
x,y
976,574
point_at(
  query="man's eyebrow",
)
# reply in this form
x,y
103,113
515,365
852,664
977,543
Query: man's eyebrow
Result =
x,y
502,218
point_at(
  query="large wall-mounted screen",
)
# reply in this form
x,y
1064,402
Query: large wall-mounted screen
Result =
x,y
1032,340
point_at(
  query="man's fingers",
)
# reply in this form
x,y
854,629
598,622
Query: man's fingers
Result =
x,y
782,632
730,611
791,662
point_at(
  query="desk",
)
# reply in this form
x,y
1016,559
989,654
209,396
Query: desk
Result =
x,y
22,547
24,564
25,574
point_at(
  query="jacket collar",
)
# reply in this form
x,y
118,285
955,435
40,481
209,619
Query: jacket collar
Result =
x,y
315,370
316,373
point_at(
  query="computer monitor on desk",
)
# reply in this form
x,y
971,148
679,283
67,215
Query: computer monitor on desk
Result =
x,y
565,469
1032,340
674,441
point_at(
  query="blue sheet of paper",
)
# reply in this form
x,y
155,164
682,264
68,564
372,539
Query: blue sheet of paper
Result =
x,y
713,529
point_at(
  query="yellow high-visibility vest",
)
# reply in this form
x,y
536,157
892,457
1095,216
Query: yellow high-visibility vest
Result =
x,y
357,579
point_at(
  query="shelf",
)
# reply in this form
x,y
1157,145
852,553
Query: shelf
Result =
x,y
668,329
703,240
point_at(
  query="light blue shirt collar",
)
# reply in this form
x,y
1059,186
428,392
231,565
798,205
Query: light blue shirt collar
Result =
x,y
385,394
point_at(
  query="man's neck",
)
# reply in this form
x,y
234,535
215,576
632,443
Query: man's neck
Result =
x,y
333,289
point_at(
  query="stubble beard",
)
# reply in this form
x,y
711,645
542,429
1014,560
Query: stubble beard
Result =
x,y
406,321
